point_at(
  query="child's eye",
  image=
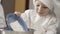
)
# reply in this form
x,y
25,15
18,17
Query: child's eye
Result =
x,y
37,5
45,7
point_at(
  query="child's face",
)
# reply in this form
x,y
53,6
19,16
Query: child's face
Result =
x,y
41,9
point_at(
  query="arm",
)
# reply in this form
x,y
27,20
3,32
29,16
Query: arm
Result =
x,y
52,27
25,17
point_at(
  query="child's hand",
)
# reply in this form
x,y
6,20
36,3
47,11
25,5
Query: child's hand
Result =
x,y
17,13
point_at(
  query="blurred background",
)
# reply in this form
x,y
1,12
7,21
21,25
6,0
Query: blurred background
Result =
x,y
10,6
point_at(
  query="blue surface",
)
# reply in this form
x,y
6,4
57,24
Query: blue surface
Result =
x,y
13,17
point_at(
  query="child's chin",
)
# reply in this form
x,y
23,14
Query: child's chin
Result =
x,y
42,14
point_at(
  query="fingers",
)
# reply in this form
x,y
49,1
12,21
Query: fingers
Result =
x,y
18,13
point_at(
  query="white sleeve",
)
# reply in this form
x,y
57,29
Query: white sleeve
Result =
x,y
52,28
25,17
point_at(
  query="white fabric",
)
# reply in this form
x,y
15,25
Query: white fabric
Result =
x,y
41,25
16,26
57,8
57,2
2,18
